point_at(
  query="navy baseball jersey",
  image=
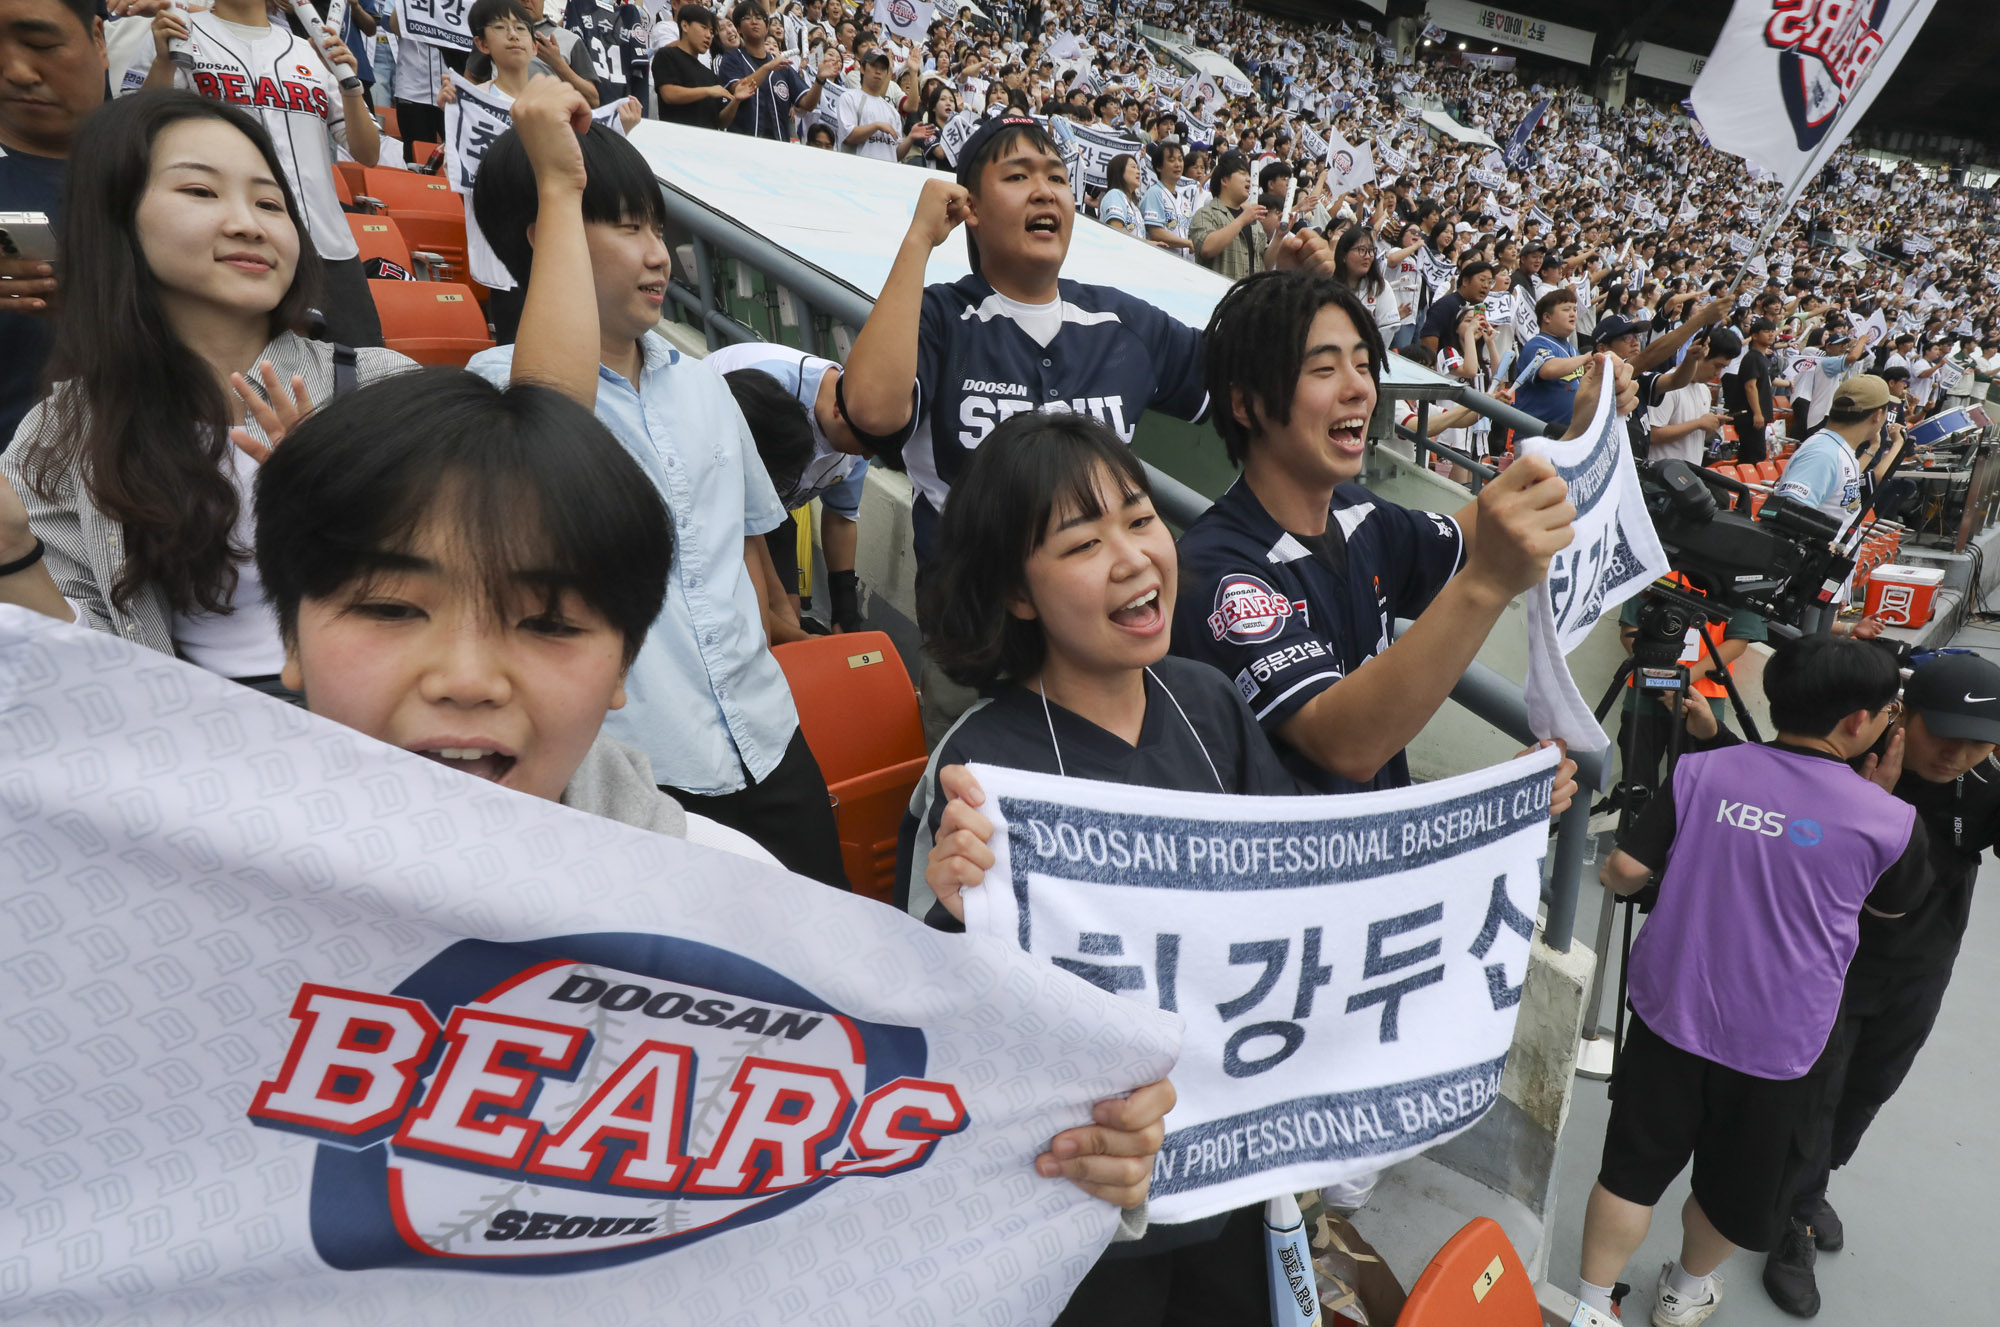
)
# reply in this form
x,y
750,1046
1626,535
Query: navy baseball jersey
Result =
x,y
1286,616
1110,355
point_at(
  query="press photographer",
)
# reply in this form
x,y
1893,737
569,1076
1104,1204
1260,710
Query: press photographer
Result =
x,y
1939,759
1736,978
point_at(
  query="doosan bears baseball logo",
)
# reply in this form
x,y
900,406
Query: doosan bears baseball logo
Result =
x,y
1824,47
1248,609
902,14
586,1101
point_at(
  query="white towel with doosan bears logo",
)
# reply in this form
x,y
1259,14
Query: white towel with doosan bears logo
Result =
x,y
303,1029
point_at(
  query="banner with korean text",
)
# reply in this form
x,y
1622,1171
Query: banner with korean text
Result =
x,y
475,120
1088,151
1614,555
437,22
302,1028
1349,967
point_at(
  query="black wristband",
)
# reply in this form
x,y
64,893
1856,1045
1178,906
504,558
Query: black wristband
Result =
x,y
34,555
845,591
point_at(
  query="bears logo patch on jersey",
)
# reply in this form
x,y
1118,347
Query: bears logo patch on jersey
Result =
x,y
585,1101
1247,609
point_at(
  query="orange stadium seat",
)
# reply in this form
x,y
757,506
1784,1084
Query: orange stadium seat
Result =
x,y
1476,1280
431,216
344,192
433,322
390,127
351,173
1767,471
410,192
859,714
381,237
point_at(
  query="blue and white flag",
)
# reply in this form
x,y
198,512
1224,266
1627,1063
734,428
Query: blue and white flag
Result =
x,y
1614,555
1787,82
908,19
1347,167
1349,967
1516,148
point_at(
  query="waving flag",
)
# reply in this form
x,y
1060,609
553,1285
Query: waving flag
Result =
x,y
1311,146
1347,167
1789,79
1516,148
908,19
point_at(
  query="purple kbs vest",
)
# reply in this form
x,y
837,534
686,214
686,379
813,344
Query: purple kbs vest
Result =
x,y
1743,959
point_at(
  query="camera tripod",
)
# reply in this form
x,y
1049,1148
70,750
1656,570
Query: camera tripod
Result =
x,y
1656,671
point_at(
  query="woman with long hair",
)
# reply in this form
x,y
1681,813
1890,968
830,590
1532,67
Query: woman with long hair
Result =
x,y
186,275
1119,207
937,103
1400,242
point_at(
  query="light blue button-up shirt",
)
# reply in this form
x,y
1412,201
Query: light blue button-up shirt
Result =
x,y
704,700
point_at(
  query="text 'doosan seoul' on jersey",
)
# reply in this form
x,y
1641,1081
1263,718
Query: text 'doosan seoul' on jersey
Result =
x,y
978,362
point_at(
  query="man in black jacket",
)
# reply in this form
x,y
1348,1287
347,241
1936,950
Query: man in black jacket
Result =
x,y
1895,985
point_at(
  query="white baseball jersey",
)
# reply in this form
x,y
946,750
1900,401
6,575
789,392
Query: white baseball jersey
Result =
x,y
420,70
281,80
801,375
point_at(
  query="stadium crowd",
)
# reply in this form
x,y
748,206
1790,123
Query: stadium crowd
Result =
x,y
565,570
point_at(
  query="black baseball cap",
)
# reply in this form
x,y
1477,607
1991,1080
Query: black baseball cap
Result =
x,y
1958,695
1617,325
990,128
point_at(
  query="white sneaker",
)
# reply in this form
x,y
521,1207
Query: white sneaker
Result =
x,y
1350,1196
1675,1311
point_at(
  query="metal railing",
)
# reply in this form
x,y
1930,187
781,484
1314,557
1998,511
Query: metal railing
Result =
x,y
822,302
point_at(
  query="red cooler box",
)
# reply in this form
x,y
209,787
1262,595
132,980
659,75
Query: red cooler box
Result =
x,y
1903,596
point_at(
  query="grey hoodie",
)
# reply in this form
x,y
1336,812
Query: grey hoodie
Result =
x,y
616,781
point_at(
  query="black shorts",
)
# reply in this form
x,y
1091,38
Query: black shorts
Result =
x,y
1223,1279
420,124
1747,1135
784,545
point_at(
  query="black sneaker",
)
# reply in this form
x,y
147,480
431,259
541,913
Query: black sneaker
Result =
x,y
1788,1271
1828,1233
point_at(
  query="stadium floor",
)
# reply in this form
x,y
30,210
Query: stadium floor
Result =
x,y
1920,1199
